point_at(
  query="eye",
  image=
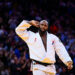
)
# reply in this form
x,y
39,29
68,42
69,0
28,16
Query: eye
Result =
x,y
41,24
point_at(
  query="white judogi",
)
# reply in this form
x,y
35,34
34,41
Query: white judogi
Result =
x,y
37,50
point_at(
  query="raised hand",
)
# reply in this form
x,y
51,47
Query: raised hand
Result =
x,y
34,23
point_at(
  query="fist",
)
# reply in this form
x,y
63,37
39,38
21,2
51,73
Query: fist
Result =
x,y
34,23
69,65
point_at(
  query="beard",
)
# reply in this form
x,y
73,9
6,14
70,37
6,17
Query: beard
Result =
x,y
42,31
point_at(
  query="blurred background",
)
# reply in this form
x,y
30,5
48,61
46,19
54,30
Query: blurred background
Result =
x,y
14,55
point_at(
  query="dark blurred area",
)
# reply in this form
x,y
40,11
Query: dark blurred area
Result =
x,y
14,55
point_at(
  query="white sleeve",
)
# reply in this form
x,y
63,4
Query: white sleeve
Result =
x,y
21,30
61,51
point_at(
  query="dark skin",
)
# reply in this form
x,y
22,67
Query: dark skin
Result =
x,y
43,27
44,40
43,33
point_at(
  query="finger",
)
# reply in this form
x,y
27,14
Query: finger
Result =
x,y
37,25
36,21
69,68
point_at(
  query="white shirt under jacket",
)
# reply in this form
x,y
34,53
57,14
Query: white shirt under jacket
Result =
x,y
36,47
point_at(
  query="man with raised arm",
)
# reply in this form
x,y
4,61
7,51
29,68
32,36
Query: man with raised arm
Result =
x,y
42,47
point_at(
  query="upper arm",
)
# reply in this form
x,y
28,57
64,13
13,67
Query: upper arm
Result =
x,y
21,30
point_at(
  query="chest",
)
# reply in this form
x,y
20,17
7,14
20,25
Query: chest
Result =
x,y
44,41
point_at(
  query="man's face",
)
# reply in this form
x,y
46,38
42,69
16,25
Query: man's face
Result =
x,y
43,26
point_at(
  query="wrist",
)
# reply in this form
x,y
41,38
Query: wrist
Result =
x,y
69,63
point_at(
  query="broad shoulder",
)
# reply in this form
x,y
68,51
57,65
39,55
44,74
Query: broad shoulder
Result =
x,y
52,35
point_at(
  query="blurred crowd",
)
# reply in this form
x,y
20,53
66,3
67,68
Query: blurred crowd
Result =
x,y
14,55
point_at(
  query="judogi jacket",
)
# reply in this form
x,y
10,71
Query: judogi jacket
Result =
x,y
36,47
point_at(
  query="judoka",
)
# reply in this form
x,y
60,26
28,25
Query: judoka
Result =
x,y
42,47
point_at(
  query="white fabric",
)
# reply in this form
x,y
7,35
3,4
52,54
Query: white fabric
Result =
x,y
41,72
36,47
47,69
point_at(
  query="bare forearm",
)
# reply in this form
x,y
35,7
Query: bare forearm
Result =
x,y
34,23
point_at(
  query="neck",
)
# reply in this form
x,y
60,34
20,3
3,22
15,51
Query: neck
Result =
x,y
42,33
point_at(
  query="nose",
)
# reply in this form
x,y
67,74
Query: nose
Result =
x,y
43,26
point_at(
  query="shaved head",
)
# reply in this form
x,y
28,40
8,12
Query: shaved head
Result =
x,y
43,27
44,21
